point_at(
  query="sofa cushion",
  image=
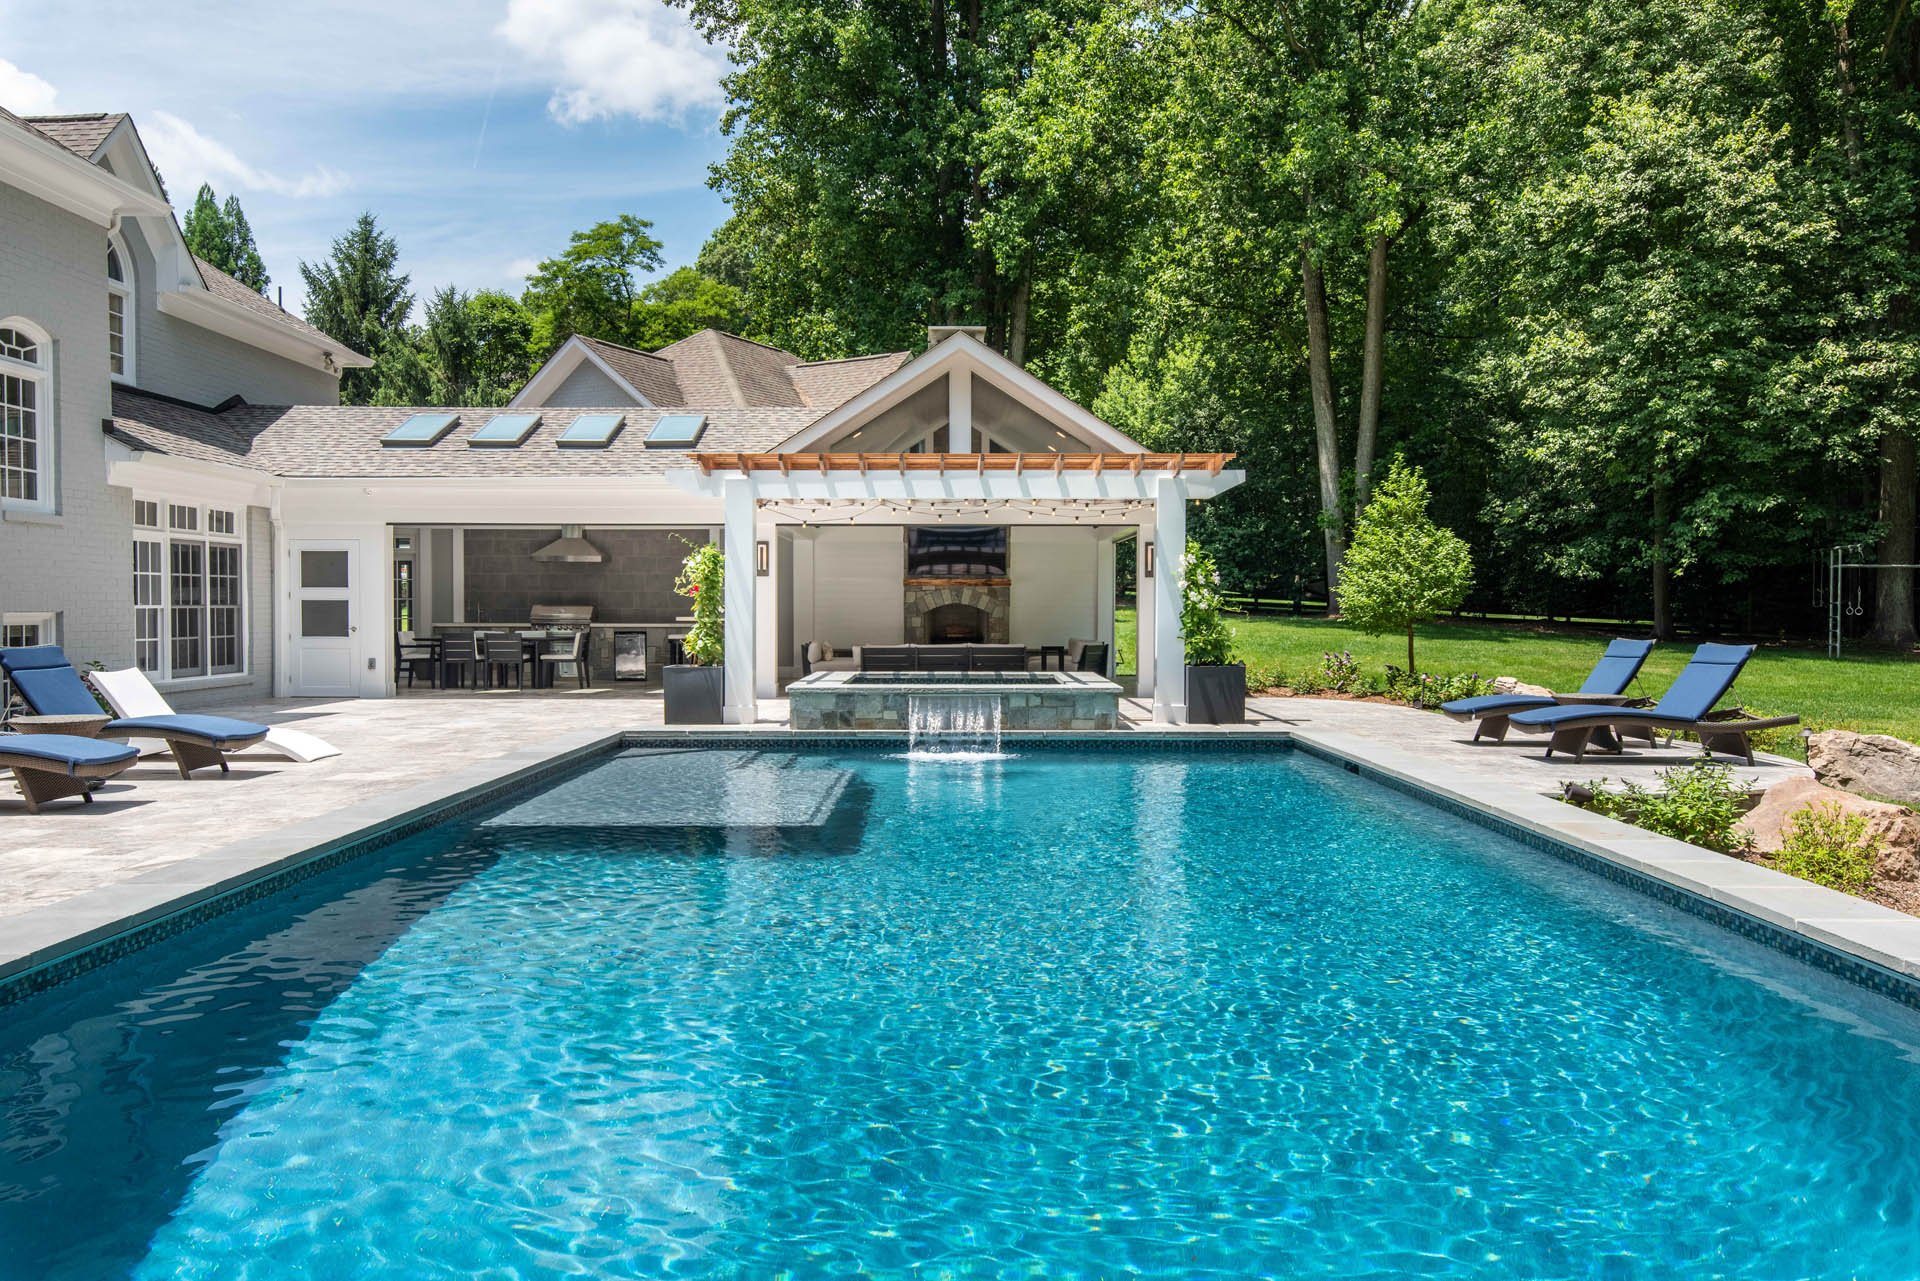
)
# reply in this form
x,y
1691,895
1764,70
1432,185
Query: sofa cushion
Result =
x,y
816,652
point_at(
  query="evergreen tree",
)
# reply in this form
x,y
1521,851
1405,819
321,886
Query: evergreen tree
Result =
x,y
219,233
358,296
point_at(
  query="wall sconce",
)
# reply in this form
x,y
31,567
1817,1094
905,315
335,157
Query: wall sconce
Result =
x,y
1146,560
762,558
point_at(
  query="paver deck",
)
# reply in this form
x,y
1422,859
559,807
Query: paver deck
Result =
x,y
150,818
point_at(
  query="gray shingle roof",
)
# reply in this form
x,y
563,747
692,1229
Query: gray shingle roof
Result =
x,y
344,440
650,375
81,134
713,369
221,285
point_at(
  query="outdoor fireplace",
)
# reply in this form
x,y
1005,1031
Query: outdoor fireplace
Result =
x,y
956,623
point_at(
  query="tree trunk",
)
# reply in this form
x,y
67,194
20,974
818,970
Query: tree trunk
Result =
x,y
1893,594
1372,358
1017,314
1409,649
1326,430
1662,587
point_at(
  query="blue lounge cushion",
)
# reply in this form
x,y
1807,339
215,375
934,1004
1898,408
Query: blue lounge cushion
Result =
x,y
44,677
1485,704
69,751
220,731
1708,675
1617,667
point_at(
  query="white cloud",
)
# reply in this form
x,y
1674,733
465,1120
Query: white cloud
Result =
x,y
24,93
186,158
616,57
521,268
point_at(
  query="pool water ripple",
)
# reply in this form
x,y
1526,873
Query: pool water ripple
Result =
x,y
1053,1016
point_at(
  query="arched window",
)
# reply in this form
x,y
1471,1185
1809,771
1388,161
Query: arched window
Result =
x,y
119,311
25,460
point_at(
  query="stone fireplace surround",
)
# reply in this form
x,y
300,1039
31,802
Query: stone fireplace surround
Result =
x,y
991,596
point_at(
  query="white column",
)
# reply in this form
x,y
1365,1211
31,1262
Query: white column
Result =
x,y
1170,557
741,708
1142,614
959,411
766,617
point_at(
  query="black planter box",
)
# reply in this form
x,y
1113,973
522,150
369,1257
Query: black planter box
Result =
x,y
695,695
1217,695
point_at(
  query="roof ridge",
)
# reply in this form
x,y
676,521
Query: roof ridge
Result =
x,y
620,346
76,115
842,360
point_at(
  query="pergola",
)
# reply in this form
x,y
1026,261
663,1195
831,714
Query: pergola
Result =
x,y
1107,488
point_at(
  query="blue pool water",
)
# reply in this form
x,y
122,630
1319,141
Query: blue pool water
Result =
x,y
1124,1013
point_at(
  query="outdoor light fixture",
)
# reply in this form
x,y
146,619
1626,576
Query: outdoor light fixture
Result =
x,y
762,558
1146,560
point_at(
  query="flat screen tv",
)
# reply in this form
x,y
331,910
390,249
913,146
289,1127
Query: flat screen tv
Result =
x,y
957,551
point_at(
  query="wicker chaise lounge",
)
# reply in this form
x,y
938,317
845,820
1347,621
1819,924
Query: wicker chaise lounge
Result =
x,y
43,677
1684,709
1492,713
49,766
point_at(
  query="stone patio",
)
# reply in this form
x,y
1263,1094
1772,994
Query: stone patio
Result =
x,y
150,818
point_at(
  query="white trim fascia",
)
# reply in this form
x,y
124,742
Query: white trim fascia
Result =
x,y
44,169
958,485
961,353
208,310
551,375
220,483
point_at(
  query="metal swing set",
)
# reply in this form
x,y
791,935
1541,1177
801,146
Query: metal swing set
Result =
x,y
1843,590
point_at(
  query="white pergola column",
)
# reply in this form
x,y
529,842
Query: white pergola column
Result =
x,y
766,611
959,411
741,589
1170,567
1143,589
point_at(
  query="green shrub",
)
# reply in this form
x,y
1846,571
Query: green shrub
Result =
x,y
1698,803
1339,673
1209,639
703,581
1428,690
1827,845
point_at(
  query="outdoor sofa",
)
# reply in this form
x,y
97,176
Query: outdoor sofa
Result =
x,y
49,766
43,677
1683,709
1492,713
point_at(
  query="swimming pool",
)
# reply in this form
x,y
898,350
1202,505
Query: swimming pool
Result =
x,y
1071,1014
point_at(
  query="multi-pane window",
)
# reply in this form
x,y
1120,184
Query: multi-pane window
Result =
x,y
119,315
189,594
23,398
26,629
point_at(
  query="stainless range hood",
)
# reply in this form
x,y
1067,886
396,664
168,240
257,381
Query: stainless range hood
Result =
x,y
570,549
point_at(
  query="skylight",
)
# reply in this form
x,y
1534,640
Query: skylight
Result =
x,y
676,431
503,431
591,431
421,430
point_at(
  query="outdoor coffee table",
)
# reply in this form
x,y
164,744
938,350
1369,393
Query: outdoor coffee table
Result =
x,y
81,725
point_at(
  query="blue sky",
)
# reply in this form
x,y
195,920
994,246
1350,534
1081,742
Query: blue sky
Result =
x,y
480,134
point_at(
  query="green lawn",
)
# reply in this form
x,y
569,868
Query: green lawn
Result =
x,y
1872,693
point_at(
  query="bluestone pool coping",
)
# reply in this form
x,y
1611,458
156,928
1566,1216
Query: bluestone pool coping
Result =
x,y
1869,944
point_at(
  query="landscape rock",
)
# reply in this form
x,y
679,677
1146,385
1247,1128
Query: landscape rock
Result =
x,y
1896,826
1514,685
1877,764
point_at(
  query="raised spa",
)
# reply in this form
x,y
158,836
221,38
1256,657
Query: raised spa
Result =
x,y
885,700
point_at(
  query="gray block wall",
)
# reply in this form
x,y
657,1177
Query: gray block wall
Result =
x,y
177,358
633,584
588,387
77,562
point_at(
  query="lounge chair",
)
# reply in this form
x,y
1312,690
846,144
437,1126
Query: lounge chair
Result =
x,y
43,677
1490,713
1684,709
49,766
131,695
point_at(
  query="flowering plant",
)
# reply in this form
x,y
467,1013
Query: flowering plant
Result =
x,y
1209,639
702,580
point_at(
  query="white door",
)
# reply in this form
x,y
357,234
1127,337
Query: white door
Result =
x,y
325,632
